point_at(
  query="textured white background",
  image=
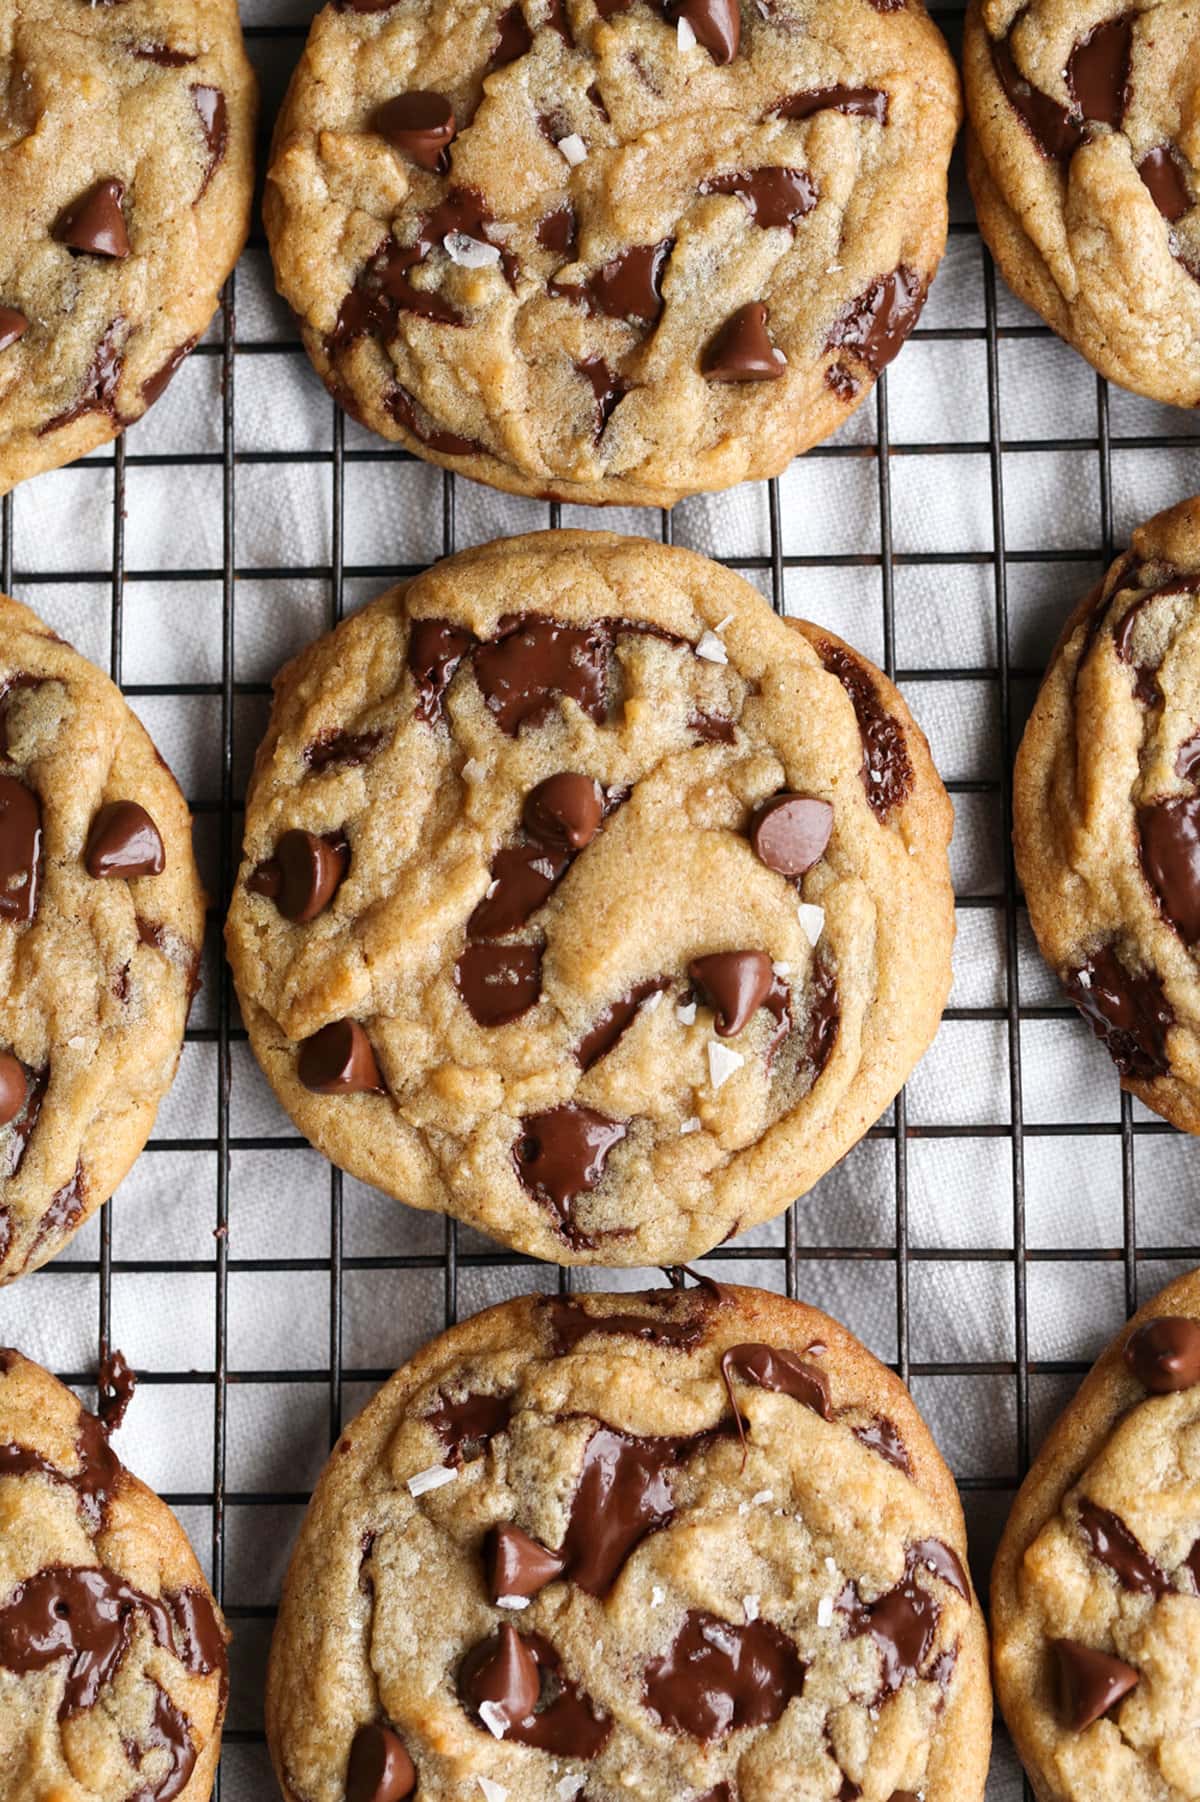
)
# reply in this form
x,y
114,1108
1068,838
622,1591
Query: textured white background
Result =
x,y
959,1159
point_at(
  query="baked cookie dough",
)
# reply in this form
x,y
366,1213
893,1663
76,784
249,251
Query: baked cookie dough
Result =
x,y
101,927
1096,1586
1084,159
112,1650
126,174
611,250
669,1544
1107,813
588,901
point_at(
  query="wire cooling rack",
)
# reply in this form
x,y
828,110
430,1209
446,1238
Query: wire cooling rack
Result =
x,y
984,1236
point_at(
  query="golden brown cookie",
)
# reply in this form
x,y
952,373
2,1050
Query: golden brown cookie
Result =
x,y
112,1650
1096,1587
101,927
1107,813
611,250
1084,160
607,925
126,173
664,1545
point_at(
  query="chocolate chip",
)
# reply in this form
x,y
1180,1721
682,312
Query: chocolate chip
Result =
x,y
20,849
517,1565
717,1677
716,23
379,1768
568,1726
742,350
629,286
500,1673
1111,1543
13,1087
214,124
564,811
712,729
1127,1011
1089,1682
336,747
124,842
608,389
499,983
902,1622
862,103
1170,844
421,124
524,667
876,322
774,196
310,870
514,40
115,1384
1164,1354
1098,71
95,222
465,1427
1163,173
781,1371
435,650
13,325
882,1437
339,1060
734,984
610,1025
561,1154
523,876
556,231
887,773
789,832
148,51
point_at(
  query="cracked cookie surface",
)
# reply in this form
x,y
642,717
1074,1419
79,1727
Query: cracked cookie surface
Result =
x,y
112,1650
1096,1587
611,250
101,927
1084,159
1107,813
126,173
606,926
541,1558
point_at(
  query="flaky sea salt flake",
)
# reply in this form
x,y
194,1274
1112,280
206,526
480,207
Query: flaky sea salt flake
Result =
x,y
812,921
710,646
493,1791
825,1612
658,1596
685,1013
686,36
573,148
470,253
512,1601
690,1125
494,1719
722,1062
434,1478
750,1607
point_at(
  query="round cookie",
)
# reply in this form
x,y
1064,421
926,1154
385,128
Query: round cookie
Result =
x,y
1096,1586
607,926
1107,813
112,1651
1084,159
126,175
101,927
611,250
668,1544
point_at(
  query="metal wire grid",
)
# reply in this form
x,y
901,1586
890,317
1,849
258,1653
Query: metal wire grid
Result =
x,y
225,806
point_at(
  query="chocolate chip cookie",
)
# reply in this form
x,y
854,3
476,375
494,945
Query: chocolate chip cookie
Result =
x,y
101,924
1107,813
112,1650
1095,1605
606,925
667,1544
611,250
126,172
1084,159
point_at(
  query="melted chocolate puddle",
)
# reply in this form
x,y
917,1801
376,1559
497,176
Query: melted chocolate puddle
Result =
x,y
467,1427
383,291
903,1621
717,1677
1129,1013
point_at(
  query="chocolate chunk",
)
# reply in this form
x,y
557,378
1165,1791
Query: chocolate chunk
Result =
x,y
379,1768
339,1060
712,729
214,125
1163,173
124,842
467,1426
561,1154
861,103
308,871
1187,759
421,124
523,669
1056,132
874,325
66,1210
734,984
558,21
775,197
148,51
716,23
789,832
14,1087
95,222
1129,1013
717,1677
623,1493
556,231
336,747
1089,1682
522,878
780,1371
1164,1354
155,386
612,1023
500,1673
629,286
570,1321
101,381
383,290
20,849
1111,1542
824,1016
887,771
514,40
13,325
902,1622
517,1565
1170,845
608,389
564,811
82,1616
13,1148
499,983
199,1639
405,411
435,650
944,1562
881,1435
115,1384
742,350
1098,71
